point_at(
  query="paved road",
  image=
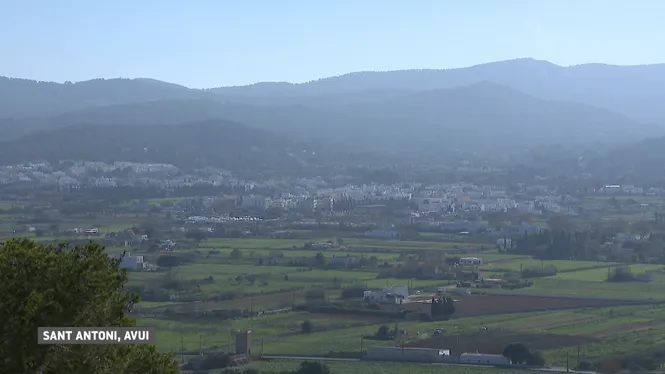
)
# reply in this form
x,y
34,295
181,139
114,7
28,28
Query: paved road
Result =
x,y
316,358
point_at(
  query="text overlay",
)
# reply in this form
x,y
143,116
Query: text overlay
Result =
x,y
96,335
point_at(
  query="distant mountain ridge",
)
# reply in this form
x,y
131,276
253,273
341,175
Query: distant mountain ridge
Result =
x,y
635,91
432,116
481,117
26,98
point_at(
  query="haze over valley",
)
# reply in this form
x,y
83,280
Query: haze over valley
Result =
x,y
482,113
302,187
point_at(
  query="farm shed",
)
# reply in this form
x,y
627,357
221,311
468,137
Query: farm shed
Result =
x,y
483,359
406,354
470,261
393,295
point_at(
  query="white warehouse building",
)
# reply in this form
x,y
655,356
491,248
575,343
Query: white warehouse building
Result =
x,y
470,261
483,359
429,355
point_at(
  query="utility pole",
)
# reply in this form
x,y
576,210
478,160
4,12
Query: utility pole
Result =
x,y
200,344
182,349
578,355
567,370
261,347
361,344
458,353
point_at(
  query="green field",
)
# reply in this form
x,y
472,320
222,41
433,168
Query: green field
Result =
x,y
225,270
260,243
330,275
566,287
381,368
492,256
633,326
4,205
224,282
415,283
177,336
368,243
561,265
281,332
600,275
349,339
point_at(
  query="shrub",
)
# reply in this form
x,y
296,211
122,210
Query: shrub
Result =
x,y
168,261
307,326
315,295
353,292
546,271
621,274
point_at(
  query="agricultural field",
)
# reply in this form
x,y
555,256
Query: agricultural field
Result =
x,y
594,331
535,322
5,205
560,265
413,283
259,243
509,315
495,257
337,367
489,304
217,271
230,274
600,275
179,336
405,245
591,289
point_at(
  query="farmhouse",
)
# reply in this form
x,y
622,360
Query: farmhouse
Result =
x,y
130,262
392,295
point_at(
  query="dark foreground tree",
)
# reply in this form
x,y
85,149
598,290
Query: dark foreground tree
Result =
x,y
443,307
518,353
49,286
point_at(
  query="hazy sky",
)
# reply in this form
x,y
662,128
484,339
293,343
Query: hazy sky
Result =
x,y
205,43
